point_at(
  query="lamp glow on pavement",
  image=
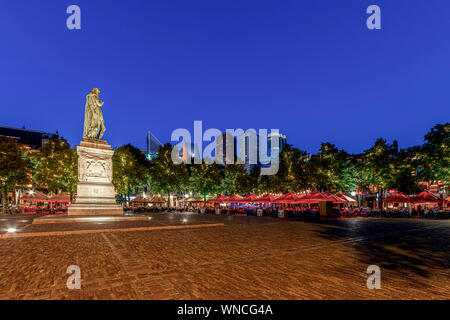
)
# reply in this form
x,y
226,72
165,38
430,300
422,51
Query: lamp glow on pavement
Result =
x,y
11,230
99,219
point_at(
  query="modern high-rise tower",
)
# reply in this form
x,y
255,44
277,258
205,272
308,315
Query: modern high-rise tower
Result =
x,y
281,143
153,145
225,149
152,142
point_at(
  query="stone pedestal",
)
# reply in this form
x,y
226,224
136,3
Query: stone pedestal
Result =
x,y
95,192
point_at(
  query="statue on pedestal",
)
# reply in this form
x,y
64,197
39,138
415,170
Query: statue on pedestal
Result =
x,y
94,126
95,192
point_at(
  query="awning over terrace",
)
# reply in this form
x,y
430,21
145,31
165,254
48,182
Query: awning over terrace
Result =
x,y
219,199
316,197
426,197
288,198
35,196
397,198
62,197
267,198
249,198
234,199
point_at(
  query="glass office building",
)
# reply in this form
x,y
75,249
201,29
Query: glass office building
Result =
x,y
153,145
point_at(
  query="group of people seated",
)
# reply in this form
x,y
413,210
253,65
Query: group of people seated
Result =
x,y
146,209
249,211
295,211
46,209
429,213
342,212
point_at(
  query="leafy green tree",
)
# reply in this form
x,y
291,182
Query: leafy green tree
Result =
x,y
298,178
236,180
166,176
259,184
278,183
435,154
378,166
405,169
293,172
332,169
205,178
348,180
405,182
364,178
130,169
15,167
55,167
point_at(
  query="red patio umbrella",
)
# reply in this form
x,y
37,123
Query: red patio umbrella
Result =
x,y
397,198
289,197
140,200
347,199
36,196
234,199
60,198
315,197
249,198
336,198
219,199
426,197
267,198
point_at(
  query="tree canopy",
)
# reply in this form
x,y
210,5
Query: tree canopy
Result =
x,y
382,166
205,179
15,166
55,167
130,169
165,176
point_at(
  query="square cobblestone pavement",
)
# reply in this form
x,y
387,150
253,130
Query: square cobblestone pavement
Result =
x,y
246,258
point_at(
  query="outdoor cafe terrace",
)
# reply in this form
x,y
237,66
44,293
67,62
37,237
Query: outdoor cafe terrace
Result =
x,y
284,205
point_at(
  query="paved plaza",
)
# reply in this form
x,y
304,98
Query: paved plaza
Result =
x,y
191,256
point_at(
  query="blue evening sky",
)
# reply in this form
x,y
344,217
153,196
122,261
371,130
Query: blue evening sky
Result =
x,y
309,68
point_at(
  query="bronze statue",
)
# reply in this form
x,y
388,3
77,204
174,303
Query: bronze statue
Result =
x,y
94,126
